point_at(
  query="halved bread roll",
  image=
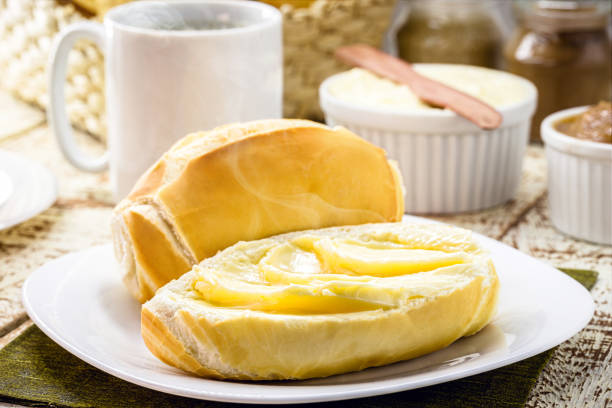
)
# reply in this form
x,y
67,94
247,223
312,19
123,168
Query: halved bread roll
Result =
x,y
243,182
322,302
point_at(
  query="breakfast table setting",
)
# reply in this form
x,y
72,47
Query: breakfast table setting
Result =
x,y
225,203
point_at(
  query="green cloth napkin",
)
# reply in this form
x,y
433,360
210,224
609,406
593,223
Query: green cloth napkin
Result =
x,y
35,371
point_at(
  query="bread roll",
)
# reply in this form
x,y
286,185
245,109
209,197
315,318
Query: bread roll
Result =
x,y
323,302
243,182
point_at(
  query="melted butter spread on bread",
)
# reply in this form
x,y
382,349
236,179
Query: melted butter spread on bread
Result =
x,y
318,273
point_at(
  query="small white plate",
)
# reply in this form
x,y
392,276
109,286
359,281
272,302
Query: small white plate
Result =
x,y
79,301
34,189
6,187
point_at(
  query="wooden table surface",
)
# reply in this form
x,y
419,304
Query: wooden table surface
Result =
x,y
578,375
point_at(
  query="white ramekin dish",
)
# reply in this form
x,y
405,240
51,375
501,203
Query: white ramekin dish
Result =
x,y
448,164
579,182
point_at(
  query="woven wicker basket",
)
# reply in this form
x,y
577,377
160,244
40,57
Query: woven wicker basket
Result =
x,y
27,28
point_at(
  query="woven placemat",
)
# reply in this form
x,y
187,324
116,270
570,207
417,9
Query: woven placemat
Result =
x,y
35,371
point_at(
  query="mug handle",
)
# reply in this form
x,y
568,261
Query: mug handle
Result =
x,y
56,114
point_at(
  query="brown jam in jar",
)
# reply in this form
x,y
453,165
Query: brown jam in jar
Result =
x,y
458,32
595,124
563,47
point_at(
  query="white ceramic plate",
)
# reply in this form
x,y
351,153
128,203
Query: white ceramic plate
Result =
x,y
79,301
33,189
6,187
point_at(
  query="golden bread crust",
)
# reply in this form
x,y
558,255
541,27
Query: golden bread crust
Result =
x,y
279,181
155,253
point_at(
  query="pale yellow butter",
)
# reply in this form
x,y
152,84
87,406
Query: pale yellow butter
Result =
x,y
361,87
323,274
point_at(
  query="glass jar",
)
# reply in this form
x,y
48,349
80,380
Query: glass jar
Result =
x,y
451,31
563,47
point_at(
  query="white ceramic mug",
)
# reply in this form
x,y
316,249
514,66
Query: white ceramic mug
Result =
x,y
172,68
